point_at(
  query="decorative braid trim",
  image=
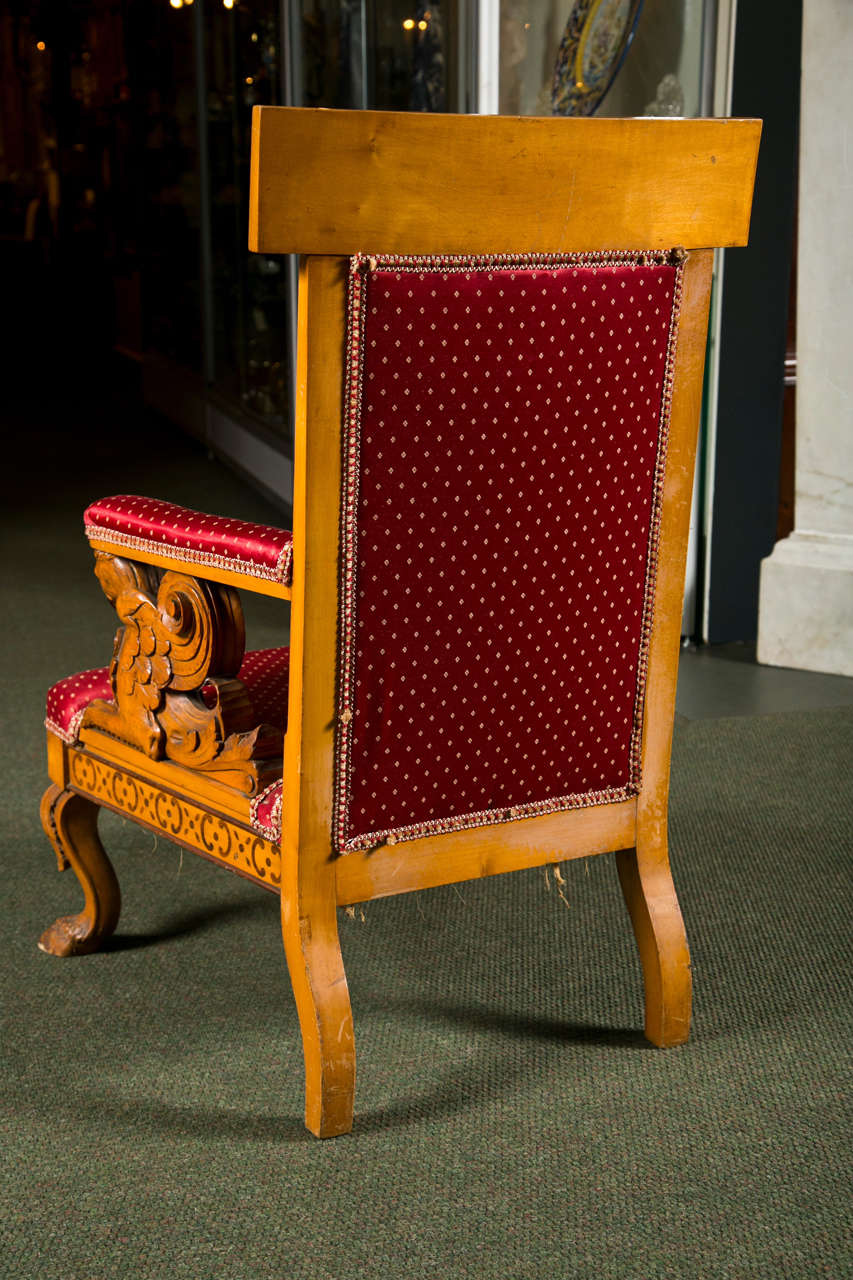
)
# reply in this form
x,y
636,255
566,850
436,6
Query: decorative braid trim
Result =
x,y
362,265
281,573
271,829
347,586
678,259
70,734
486,817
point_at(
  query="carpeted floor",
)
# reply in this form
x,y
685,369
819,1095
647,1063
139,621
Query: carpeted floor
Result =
x,y
512,1122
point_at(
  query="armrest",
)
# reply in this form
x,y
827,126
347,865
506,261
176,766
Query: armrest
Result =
x,y
257,557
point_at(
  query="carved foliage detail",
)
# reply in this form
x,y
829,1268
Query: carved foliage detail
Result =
x,y
173,673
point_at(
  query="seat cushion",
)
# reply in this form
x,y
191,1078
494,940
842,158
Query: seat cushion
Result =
x,y
264,673
266,812
69,698
162,528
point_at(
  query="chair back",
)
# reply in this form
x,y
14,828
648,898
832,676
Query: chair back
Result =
x,y
501,344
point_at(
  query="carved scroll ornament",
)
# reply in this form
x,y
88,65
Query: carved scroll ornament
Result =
x,y
173,673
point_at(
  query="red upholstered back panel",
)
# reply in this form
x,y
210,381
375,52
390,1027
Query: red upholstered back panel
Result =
x,y
504,462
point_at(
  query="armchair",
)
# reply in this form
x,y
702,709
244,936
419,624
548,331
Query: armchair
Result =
x,y
501,338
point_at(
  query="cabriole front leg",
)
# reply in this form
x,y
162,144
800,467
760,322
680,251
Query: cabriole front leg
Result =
x,y
71,824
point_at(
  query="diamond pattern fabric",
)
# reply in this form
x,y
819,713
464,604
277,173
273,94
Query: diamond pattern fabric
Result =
x,y
266,812
504,462
69,698
264,672
162,528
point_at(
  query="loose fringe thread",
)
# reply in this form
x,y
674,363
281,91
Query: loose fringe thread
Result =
x,y
351,912
559,881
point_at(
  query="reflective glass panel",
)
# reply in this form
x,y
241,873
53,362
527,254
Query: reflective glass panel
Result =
x,y
608,57
392,55
243,60
160,54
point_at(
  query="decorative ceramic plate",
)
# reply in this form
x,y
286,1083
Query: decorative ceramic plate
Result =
x,y
595,41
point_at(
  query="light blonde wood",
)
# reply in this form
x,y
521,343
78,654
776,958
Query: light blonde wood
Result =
x,y
662,672
57,769
309,919
228,577
647,887
195,630
70,822
172,777
644,872
402,182
485,851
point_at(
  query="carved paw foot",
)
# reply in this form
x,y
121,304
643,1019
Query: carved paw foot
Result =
x,y
70,936
71,824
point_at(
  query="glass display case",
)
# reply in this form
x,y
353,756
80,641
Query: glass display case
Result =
x,y
214,61
603,57
248,294
133,124
149,171
159,185
391,55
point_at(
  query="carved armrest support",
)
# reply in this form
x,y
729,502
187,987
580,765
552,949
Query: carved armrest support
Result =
x,y
174,674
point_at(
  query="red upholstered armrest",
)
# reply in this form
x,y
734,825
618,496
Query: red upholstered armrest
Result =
x,y
164,530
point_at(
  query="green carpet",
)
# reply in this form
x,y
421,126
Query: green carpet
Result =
x,y
511,1121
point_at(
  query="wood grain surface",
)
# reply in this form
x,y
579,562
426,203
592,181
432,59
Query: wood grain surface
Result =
x,y
343,182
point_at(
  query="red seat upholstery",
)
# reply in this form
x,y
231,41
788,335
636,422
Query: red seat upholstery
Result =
x,y
266,812
69,698
162,528
264,673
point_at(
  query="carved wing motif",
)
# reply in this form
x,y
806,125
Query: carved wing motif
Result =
x,y
142,665
175,659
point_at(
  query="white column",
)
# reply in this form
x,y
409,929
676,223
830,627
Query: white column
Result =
x,y
488,57
806,599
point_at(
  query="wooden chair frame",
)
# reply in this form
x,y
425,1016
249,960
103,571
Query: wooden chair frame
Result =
x,y
329,184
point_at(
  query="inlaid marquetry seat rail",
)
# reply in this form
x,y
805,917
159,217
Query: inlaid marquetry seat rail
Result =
x,y
500,353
